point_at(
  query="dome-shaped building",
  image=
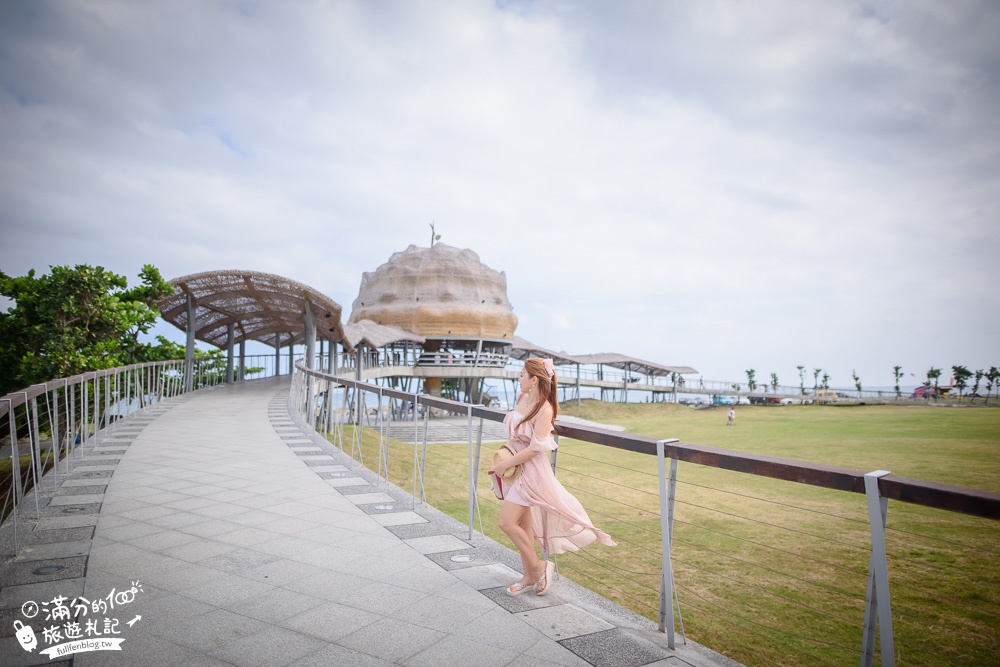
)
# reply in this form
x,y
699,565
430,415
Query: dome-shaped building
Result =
x,y
451,299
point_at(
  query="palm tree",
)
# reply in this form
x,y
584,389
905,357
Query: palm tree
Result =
x,y
857,381
898,371
932,380
826,380
802,379
975,388
992,377
750,381
774,382
961,375
816,372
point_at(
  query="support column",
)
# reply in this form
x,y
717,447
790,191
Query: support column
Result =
x,y
878,611
243,360
277,354
230,341
628,373
578,385
310,337
310,327
189,352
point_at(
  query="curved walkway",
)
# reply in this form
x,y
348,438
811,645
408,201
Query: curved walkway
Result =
x,y
226,535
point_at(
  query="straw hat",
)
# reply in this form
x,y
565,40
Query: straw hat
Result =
x,y
503,454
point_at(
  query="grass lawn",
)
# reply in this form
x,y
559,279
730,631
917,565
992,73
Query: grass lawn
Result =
x,y
771,572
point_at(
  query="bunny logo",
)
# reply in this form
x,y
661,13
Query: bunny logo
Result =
x,y
26,636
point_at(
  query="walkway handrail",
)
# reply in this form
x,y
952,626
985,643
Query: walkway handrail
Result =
x,y
75,411
919,492
878,486
18,398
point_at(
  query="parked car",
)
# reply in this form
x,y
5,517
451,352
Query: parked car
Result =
x,y
693,400
764,400
825,395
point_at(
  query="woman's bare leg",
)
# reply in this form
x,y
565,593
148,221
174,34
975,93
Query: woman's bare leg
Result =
x,y
512,522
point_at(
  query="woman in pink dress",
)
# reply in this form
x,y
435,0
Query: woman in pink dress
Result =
x,y
536,507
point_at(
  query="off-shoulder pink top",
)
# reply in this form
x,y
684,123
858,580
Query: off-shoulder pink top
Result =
x,y
560,522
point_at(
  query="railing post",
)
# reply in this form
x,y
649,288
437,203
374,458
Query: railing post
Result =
x,y
475,468
15,462
35,446
71,418
416,440
423,454
877,607
666,612
472,476
383,443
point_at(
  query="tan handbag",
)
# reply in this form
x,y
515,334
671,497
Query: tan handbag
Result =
x,y
500,484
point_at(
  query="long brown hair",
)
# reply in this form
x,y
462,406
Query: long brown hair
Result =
x,y
546,388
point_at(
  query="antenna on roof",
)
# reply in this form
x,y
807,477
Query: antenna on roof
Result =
x,y
433,236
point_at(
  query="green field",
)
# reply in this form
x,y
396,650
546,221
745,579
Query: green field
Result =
x,y
770,572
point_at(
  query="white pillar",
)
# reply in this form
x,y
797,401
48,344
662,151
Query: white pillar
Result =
x,y
310,337
277,353
230,341
243,360
189,352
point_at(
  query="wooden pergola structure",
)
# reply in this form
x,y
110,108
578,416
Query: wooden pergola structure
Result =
x,y
226,307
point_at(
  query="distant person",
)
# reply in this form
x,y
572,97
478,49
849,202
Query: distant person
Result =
x,y
536,507
731,415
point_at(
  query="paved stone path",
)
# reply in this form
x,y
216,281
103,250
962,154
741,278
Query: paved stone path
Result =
x,y
233,537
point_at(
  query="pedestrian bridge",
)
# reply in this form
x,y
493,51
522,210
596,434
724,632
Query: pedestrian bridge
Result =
x,y
233,524
230,533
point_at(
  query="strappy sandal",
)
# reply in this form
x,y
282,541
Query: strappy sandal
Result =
x,y
546,580
517,588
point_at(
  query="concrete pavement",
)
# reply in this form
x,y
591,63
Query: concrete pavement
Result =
x,y
226,534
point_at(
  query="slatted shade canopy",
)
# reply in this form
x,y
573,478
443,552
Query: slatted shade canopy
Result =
x,y
625,362
524,349
378,335
262,306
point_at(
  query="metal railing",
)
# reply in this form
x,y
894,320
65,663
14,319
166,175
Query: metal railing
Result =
x,y
670,529
45,424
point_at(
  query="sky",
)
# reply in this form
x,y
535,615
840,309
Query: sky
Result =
x,y
718,184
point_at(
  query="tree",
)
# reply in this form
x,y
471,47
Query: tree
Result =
x,y
774,382
975,388
826,381
802,380
932,381
816,372
73,320
857,381
750,379
961,376
992,379
898,372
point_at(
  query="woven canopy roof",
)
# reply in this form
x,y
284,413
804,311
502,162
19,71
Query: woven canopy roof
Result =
x,y
639,365
524,349
262,306
377,335
437,292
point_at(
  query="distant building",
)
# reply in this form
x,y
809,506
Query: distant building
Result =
x,y
457,304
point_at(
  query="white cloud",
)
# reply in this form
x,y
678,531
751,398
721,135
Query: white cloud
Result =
x,y
714,184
